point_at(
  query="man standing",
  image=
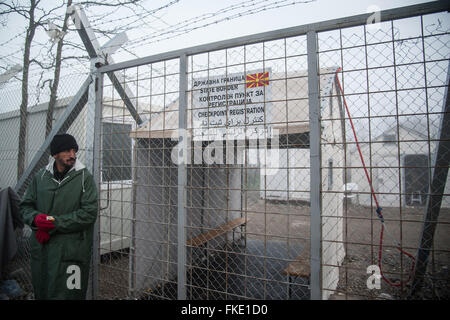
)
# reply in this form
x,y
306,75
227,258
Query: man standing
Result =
x,y
60,206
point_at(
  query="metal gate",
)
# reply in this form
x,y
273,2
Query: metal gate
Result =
x,y
303,163
236,185
217,202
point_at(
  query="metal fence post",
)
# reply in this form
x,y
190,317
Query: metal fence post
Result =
x,y
315,160
182,179
93,128
90,118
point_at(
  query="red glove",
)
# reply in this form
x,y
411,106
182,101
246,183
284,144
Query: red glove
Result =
x,y
42,236
43,223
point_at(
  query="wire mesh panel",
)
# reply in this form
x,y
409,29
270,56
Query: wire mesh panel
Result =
x,y
391,83
248,218
242,190
68,115
247,177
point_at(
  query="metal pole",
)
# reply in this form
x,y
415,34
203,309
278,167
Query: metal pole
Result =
x,y
182,179
96,171
93,128
434,199
315,161
346,22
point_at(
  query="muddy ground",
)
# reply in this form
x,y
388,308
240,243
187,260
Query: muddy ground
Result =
x,y
361,241
290,223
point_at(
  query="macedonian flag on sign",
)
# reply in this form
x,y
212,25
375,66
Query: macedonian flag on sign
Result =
x,y
257,80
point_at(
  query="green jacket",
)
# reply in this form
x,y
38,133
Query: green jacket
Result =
x,y
60,267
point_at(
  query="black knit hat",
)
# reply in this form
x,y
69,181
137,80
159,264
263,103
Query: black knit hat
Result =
x,y
62,142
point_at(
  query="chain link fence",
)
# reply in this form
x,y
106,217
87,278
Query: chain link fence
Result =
x,y
303,164
385,83
395,79
18,269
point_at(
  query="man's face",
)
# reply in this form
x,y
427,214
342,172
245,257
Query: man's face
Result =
x,y
66,158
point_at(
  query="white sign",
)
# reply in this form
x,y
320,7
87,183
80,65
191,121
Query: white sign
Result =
x,y
231,106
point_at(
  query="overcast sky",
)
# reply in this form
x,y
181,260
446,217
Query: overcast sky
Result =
x,y
284,17
299,14
269,20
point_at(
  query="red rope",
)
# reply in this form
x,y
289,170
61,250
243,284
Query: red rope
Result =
x,y
379,209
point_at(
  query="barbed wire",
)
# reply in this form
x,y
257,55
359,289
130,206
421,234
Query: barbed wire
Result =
x,y
21,33
186,26
180,28
183,27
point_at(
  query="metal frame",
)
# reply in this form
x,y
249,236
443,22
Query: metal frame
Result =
x,y
96,172
311,31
